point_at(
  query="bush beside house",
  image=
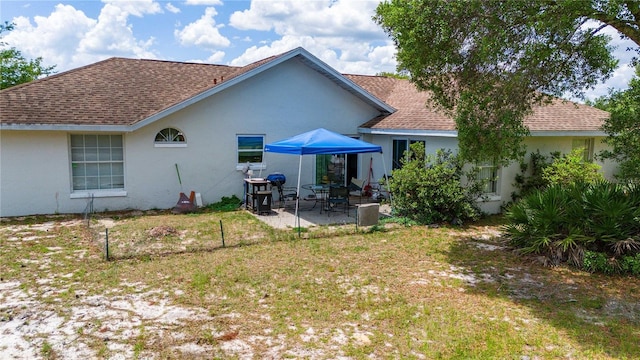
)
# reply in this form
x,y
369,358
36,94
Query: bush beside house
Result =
x,y
593,226
427,188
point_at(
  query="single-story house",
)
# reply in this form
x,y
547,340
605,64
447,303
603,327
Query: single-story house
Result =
x,y
558,127
132,134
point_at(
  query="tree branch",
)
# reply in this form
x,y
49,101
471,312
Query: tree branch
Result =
x,y
624,27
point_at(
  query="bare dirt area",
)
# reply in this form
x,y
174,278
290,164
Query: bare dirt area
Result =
x,y
395,293
49,313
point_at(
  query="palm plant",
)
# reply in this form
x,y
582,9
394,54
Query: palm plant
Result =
x,y
545,223
613,217
564,222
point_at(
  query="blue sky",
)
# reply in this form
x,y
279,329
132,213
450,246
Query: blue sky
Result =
x,y
70,34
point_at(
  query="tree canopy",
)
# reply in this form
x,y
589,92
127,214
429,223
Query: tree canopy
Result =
x,y
623,128
488,63
14,67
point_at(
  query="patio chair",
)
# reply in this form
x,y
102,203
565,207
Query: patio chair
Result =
x,y
355,188
338,195
288,193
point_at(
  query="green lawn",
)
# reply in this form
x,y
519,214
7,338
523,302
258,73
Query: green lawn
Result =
x,y
172,291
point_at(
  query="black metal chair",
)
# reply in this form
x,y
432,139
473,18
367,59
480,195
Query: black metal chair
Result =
x,y
338,195
287,193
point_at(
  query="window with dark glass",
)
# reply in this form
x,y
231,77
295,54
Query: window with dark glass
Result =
x,y
399,153
170,135
250,149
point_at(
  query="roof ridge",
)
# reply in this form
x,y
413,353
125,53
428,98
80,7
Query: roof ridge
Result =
x,y
112,59
179,62
57,75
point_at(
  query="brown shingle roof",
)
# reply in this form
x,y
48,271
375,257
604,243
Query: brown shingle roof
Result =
x,y
123,92
412,110
415,114
562,115
115,91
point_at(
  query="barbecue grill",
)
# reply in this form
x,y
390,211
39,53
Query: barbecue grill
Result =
x,y
278,180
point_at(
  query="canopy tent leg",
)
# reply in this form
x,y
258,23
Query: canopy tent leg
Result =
x,y
386,180
297,215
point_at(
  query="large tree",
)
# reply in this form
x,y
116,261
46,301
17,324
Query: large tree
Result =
x,y
489,62
14,67
623,128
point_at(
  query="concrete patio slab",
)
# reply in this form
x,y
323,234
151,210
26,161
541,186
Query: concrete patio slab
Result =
x,y
284,217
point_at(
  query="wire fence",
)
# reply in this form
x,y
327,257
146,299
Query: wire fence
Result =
x,y
161,235
88,210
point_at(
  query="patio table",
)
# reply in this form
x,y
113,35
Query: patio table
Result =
x,y
319,192
255,194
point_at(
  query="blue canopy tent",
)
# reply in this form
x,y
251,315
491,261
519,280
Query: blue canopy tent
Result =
x,y
320,141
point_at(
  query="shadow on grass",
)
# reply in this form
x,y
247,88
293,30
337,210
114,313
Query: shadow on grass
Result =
x,y
600,313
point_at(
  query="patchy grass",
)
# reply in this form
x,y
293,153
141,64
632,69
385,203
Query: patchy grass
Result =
x,y
173,291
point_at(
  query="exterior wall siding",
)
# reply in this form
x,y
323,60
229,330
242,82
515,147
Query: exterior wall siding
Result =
x,y
34,172
494,204
283,101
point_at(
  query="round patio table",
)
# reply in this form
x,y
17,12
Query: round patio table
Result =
x,y
319,192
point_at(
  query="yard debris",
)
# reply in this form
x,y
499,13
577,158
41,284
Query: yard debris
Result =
x,y
185,204
162,231
228,336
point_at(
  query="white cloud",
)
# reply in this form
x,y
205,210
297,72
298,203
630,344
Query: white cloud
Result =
x,y
366,65
262,15
341,33
216,57
344,18
54,38
68,38
172,9
137,8
203,32
113,35
203,2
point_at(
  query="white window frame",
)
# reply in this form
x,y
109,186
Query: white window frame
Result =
x,y
252,165
587,144
490,172
105,158
173,142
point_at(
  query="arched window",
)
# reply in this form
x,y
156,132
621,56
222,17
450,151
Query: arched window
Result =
x,y
170,137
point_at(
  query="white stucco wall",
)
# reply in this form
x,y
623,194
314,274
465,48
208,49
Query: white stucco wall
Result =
x,y
35,176
546,145
34,172
493,205
281,102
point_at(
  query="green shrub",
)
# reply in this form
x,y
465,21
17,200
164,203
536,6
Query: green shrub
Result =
x,y
230,203
612,214
601,263
542,171
530,177
597,262
547,222
572,168
630,264
427,189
